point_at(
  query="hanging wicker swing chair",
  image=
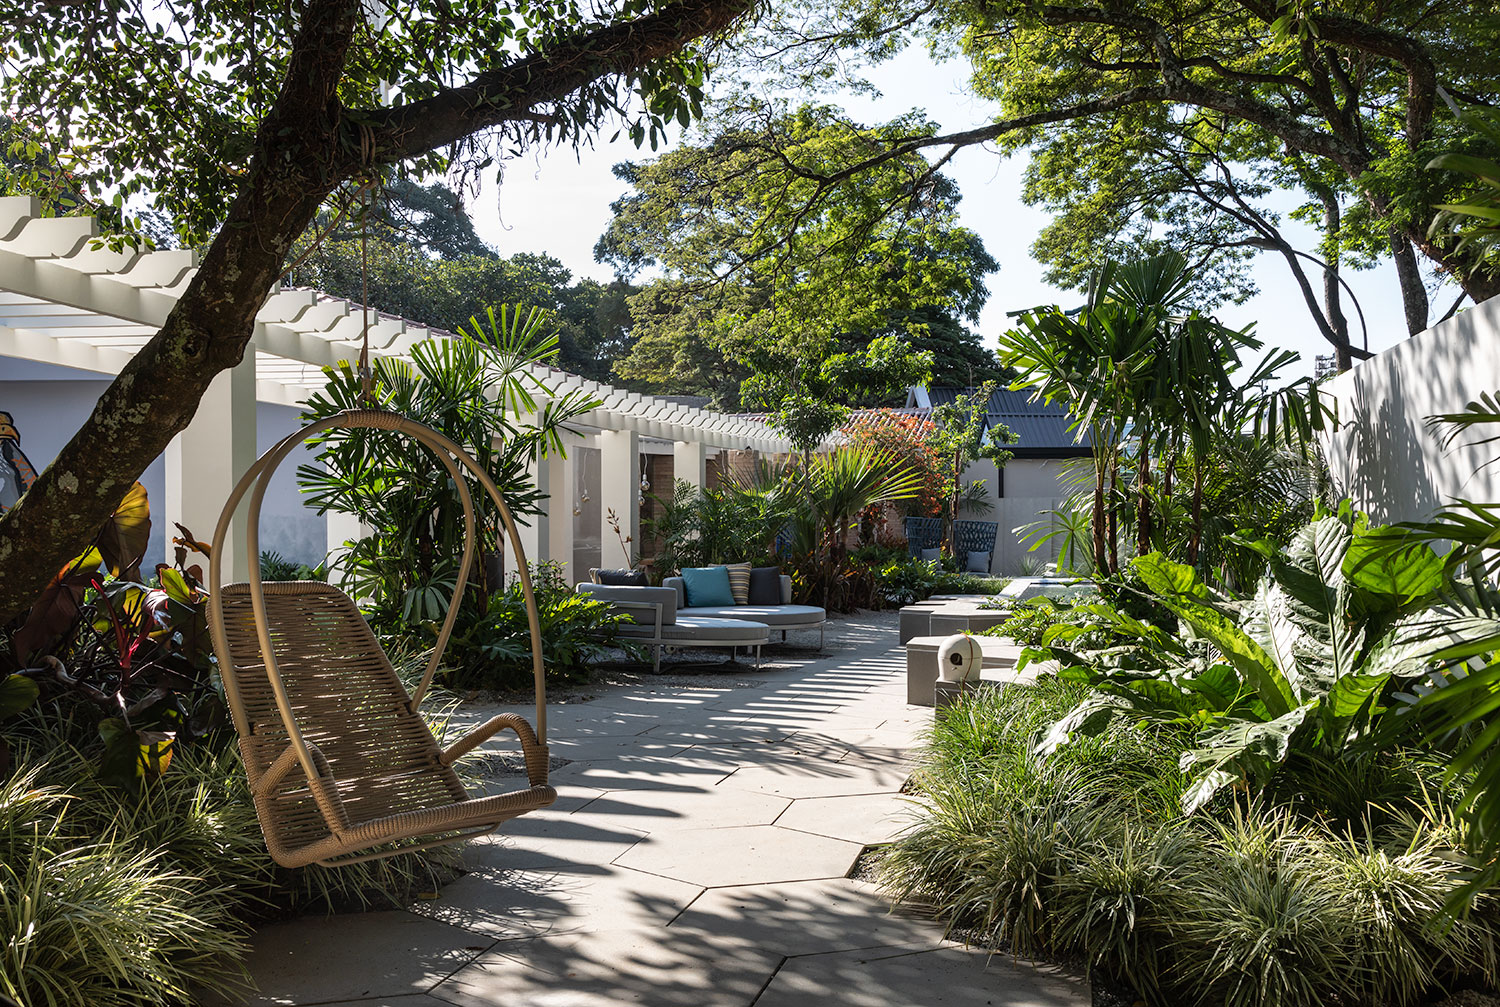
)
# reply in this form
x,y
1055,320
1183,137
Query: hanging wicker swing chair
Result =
x,y
342,767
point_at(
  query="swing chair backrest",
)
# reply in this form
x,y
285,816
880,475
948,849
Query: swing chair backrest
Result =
x,y
337,755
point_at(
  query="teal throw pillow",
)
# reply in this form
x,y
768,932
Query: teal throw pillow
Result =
x,y
707,587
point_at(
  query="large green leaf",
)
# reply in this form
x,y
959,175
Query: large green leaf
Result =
x,y
17,692
1237,751
1383,564
1177,587
123,539
1347,702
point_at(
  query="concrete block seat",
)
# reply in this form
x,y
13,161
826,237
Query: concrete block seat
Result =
x,y
784,617
656,621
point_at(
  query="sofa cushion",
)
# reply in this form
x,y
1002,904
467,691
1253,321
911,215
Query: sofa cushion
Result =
x,y
977,562
676,584
931,555
765,586
707,586
634,599
631,578
771,615
739,581
706,632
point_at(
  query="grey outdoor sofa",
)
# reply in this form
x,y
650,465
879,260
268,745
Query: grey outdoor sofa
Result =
x,y
657,623
784,617
661,619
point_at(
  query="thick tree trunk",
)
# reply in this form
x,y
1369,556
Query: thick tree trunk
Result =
x,y
1333,308
305,148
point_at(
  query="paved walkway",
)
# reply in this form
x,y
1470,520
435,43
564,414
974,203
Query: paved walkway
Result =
x,y
697,857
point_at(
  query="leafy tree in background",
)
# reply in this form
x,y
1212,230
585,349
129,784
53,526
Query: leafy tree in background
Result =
x,y
427,263
1333,100
789,293
239,120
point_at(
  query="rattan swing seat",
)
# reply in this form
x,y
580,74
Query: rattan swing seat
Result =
x,y
342,766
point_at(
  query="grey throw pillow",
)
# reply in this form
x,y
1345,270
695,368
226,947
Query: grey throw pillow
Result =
x,y
932,555
765,585
978,562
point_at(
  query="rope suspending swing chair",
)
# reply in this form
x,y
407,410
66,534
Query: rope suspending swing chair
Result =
x,y
341,764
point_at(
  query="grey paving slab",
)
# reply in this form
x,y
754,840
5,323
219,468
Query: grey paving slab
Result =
x,y
534,841
864,818
951,976
420,1000
316,960
806,917
654,812
818,779
642,774
754,854
707,733
560,899
604,969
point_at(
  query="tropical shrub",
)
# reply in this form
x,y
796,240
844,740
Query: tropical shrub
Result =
x,y
134,648
729,523
1085,854
491,647
476,390
1305,667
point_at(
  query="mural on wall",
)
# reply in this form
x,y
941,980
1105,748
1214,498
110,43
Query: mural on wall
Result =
x,y
16,473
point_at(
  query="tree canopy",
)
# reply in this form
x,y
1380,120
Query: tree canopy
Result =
x,y
1132,109
768,284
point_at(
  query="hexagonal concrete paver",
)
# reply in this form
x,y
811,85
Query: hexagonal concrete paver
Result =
x,y
606,969
673,811
818,780
525,903
536,840
756,854
641,774
807,917
952,975
862,818
356,957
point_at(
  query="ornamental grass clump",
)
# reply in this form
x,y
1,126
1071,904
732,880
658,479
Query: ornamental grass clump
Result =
x,y
1086,855
103,923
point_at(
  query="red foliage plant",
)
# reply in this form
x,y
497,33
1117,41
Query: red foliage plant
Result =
x,y
905,435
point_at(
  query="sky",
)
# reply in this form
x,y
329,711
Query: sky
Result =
x,y
557,202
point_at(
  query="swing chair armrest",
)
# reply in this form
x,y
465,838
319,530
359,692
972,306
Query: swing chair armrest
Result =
x,y
286,762
532,751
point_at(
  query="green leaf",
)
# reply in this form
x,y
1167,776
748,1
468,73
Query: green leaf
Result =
x,y
17,692
1177,587
123,539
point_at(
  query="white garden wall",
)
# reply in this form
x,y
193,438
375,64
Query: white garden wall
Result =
x,y
1385,456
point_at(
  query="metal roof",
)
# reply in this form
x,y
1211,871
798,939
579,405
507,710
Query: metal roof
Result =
x,y
64,302
1043,429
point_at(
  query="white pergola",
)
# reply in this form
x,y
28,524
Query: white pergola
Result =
x,y
67,303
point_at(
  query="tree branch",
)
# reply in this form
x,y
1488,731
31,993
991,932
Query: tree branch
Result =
x,y
508,93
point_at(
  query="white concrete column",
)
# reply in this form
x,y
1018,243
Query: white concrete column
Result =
x,y
341,528
536,529
205,461
564,496
689,464
619,490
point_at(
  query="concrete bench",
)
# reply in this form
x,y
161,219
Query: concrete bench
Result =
x,y
999,665
948,614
